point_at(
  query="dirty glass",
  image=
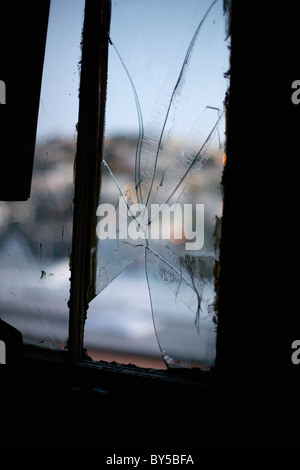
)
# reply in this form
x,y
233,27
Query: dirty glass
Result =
x,y
161,198
36,235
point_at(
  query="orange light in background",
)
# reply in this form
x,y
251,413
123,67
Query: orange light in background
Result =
x,y
129,191
176,229
224,159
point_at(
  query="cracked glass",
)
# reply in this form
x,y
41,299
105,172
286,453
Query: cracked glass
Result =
x,y
161,199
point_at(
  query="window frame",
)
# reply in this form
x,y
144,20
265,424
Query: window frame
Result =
x,y
90,136
90,140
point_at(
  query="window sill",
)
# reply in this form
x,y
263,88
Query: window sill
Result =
x,y
41,356
99,405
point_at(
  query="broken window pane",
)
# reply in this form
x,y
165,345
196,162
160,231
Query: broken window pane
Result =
x,y
36,235
163,160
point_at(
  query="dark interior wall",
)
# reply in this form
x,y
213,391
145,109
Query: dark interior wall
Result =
x,y
259,314
23,28
257,321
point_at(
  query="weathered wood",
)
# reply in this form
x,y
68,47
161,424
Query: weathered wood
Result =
x,y
93,82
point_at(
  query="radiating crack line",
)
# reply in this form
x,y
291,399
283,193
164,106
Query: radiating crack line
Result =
x,y
141,129
189,167
121,193
190,284
194,159
181,74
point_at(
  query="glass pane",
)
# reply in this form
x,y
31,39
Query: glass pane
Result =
x,y
163,159
36,235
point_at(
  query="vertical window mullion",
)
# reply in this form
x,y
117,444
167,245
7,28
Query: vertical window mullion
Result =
x,y
92,97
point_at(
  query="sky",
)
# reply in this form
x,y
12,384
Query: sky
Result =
x,y
58,112
152,38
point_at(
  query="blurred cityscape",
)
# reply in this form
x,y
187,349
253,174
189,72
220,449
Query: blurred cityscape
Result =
x,y
36,243
45,220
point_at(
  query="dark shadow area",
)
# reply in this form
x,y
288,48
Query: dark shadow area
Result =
x,y
22,48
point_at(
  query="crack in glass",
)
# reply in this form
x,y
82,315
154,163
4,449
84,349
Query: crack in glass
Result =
x,y
177,162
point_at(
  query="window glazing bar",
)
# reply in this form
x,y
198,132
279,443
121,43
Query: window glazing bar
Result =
x,y
92,98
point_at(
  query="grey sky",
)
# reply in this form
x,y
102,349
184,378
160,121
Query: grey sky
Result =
x,y
152,38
